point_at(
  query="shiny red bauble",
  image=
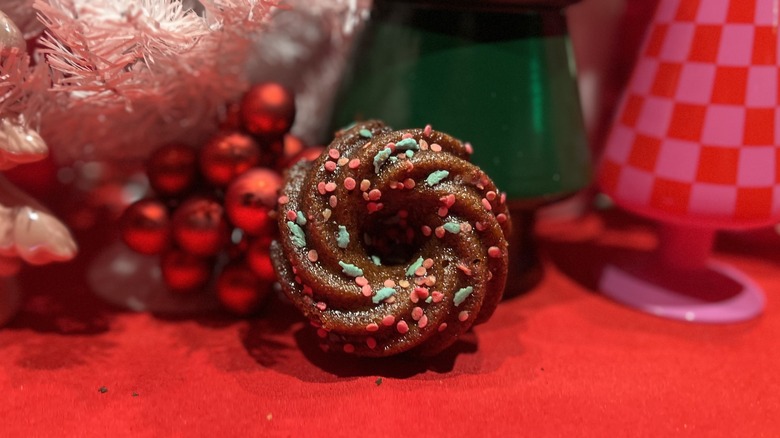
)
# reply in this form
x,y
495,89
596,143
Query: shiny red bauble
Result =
x,y
184,272
258,258
145,227
199,226
251,198
240,290
227,155
172,169
268,110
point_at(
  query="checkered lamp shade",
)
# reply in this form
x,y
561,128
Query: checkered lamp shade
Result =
x,y
697,137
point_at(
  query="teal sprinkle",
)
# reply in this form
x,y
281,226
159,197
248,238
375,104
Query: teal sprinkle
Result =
x,y
298,236
343,238
380,158
365,133
407,144
462,294
413,267
376,260
452,227
409,154
429,300
436,177
381,294
393,159
300,219
351,270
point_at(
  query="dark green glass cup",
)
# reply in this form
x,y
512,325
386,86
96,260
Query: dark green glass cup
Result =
x,y
498,74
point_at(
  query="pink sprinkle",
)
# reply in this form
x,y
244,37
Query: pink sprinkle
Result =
x,y
402,327
421,292
494,252
364,185
417,313
313,256
317,324
427,263
448,200
491,195
436,147
331,186
348,348
291,215
372,207
333,201
423,321
462,316
361,281
389,283
371,342
442,326
409,166
423,145
465,269
480,226
409,183
469,148
503,198
426,230
427,130
367,145
403,214
390,146
501,218
486,204
437,296
307,290
442,212
440,232
354,163
322,333
430,280
420,271
366,290
407,135
321,187
322,306
350,183
334,153
343,160
388,320
283,200
372,327
393,185
413,297
375,194
465,227
298,279
330,166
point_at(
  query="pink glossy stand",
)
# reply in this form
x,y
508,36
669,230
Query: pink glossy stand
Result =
x,y
680,282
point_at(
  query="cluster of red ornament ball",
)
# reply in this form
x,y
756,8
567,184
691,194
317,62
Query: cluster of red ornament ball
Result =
x,y
214,206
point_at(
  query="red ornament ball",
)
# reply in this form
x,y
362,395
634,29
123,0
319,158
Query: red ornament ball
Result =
x,y
307,154
199,226
240,290
172,169
268,110
227,155
184,272
258,258
145,227
251,198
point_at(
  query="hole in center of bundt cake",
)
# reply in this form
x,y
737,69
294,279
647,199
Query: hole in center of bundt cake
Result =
x,y
391,238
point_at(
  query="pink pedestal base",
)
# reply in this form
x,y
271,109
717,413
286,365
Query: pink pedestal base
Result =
x,y
718,293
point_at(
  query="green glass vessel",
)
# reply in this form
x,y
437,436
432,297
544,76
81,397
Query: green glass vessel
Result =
x,y
501,78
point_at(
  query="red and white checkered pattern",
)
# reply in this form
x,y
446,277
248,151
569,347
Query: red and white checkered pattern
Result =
x,y
697,137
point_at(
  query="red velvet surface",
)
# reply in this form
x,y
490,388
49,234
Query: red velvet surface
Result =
x,y
558,360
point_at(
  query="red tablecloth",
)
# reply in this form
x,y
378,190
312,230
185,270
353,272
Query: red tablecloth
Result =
x,y
558,360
